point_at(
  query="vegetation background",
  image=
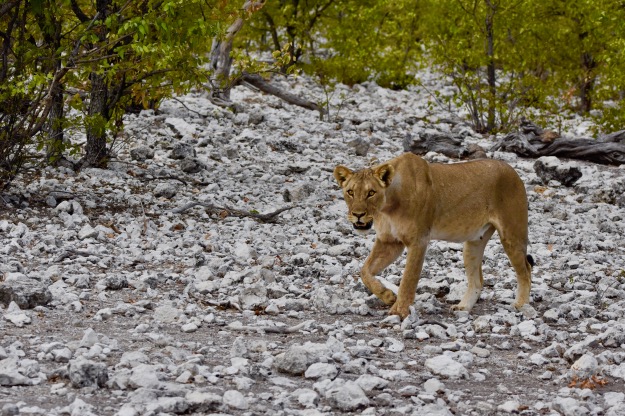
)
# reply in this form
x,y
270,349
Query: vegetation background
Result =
x,y
78,66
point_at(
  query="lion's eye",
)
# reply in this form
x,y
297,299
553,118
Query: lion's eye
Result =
x,y
350,192
371,193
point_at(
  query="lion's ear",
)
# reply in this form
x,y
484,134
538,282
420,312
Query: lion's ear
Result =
x,y
341,174
385,174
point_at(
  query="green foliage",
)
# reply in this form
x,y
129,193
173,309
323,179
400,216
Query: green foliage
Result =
x,y
143,52
348,41
100,59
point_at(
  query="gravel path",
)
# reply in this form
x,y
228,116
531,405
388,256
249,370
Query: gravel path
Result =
x,y
151,289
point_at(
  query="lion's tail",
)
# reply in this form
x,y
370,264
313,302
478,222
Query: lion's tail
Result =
x,y
530,260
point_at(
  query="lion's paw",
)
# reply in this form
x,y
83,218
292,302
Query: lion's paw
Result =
x,y
388,297
460,307
401,311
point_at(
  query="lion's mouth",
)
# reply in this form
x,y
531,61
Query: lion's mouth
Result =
x,y
363,225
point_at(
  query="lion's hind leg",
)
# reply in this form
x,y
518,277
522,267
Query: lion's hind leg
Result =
x,y
473,254
517,253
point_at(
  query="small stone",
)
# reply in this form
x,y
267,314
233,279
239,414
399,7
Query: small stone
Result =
x,y
10,375
87,231
17,319
585,366
115,282
191,165
569,406
189,327
26,293
297,358
348,397
306,397
141,153
321,370
239,348
395,345
272,309
235,400
551,168
86,373
165,190
200,401
10,409
527,328
511,406
166,313
182,151
480,352
369,382
89,338
433,386
551,315
538,360
445,366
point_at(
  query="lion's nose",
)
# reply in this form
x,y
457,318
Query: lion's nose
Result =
x,y
358,215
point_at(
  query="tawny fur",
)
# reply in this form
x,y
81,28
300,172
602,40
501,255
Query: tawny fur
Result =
x,y
411,202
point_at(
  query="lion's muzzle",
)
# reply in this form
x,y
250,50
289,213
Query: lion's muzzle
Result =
x,y
363,225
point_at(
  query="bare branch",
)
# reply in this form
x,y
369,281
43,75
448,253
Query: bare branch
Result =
x,y
258,82
271,329
269,217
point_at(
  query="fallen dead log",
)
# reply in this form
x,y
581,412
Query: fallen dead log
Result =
x,y
269,217
532,141
257,81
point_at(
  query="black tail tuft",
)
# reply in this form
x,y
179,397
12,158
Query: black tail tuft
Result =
x,y
530,260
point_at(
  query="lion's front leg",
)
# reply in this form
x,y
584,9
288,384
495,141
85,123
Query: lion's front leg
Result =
x,y
409,281
382,254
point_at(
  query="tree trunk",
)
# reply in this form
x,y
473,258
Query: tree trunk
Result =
x,y
98,115
490,69
587,83
98,111
221,62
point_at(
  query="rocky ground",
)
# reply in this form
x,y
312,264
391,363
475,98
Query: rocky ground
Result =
x,y
150,289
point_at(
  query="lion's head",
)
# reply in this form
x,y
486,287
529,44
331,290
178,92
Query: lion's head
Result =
x,y
364,192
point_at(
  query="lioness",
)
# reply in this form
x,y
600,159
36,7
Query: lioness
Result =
x,y
412,202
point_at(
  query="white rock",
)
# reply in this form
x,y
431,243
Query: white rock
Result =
x,y
87,231
347,397
10,374
395,345
18,319
87,373
613,398
569,406
617,371
235,400
321,370
538,359
585,366
189,327
200,401
445,366
527,328
433,386
306,397
166,313
89,338
433,409
144,375
511,406
368,382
